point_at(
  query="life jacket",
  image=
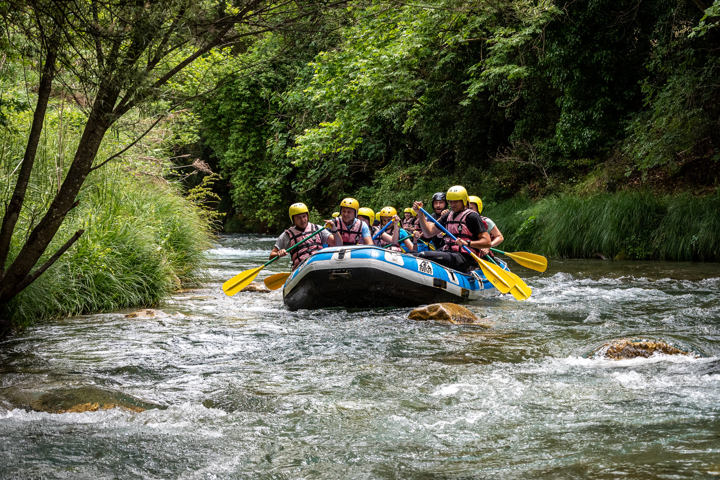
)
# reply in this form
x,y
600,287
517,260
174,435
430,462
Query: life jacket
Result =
x,y
438,240
457,225
409,224
306,249
380,242
352,235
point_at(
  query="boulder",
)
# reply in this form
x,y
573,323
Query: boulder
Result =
x,y
624,349
256,287
447,312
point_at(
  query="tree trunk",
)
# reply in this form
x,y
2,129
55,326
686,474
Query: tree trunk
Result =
x,y
12,213
99,121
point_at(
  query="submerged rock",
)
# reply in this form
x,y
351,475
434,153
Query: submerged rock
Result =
x,y
74,399
256,287
624,348
94,407
145,313
447,312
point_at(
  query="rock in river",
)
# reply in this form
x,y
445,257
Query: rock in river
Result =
x,y
447,312
624,348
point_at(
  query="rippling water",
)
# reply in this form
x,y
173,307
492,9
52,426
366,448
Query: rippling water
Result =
x,y
241,388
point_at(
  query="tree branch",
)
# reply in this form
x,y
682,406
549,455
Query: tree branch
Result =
x,y
128,147
34,275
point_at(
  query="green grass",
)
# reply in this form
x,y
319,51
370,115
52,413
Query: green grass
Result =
x,y
143,239
633,225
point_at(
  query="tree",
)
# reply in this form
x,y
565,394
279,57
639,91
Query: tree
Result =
x,y
113,56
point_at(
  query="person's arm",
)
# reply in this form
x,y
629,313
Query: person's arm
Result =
x,y
334,237
429,229
496,236
279,249
325,237
409,246
477,230
365,232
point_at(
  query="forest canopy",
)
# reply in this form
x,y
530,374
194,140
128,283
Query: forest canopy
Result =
x,y
390,101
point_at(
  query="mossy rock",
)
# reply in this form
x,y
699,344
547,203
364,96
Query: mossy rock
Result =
x,y
447,312
624,349
94,407
77,399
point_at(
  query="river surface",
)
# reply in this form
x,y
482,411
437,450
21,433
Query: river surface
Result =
x,y
242,388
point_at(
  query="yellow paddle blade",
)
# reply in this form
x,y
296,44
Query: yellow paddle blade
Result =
x,y
529,260
495,275
273,282
520,290
240,281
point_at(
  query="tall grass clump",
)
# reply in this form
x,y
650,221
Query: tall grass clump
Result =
x,y
143,239
627,224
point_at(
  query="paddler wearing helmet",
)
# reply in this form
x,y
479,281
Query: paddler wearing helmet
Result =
x,y
409,221
347,229
465,224
496,236
393,238
439,207
300,229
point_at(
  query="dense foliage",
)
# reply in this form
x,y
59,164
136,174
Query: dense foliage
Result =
x,y
143,238
390,101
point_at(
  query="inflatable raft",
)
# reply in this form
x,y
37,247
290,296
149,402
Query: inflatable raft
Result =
x,y
367,276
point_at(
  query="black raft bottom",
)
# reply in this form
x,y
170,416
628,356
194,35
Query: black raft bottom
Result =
x,y
362,288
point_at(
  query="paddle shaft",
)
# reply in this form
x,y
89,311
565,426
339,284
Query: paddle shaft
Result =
x,y
381,230
302,241
244,278
400,240
445,231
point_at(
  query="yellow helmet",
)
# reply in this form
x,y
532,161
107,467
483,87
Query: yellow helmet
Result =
x,y
457,192
387,212
410,210
476,201
335,214
297,208
350,202
367,212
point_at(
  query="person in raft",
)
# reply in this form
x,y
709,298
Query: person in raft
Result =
x,y
368,216
439,207
392,236
347,229
465,224
409,223
301,229
496,236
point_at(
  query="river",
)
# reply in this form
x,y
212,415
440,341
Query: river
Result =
x,y
242,388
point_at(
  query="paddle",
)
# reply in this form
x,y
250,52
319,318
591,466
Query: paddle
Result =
x,y
277,280
520,291
243,279
429,245
532,261
495,275
381,230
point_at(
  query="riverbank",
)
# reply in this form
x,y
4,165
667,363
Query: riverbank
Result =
x,y
626,225
144,236
143,240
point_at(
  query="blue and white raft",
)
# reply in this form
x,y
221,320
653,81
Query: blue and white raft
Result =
x,y
367,276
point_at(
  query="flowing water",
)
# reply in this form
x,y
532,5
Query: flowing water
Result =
x,y
242,388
